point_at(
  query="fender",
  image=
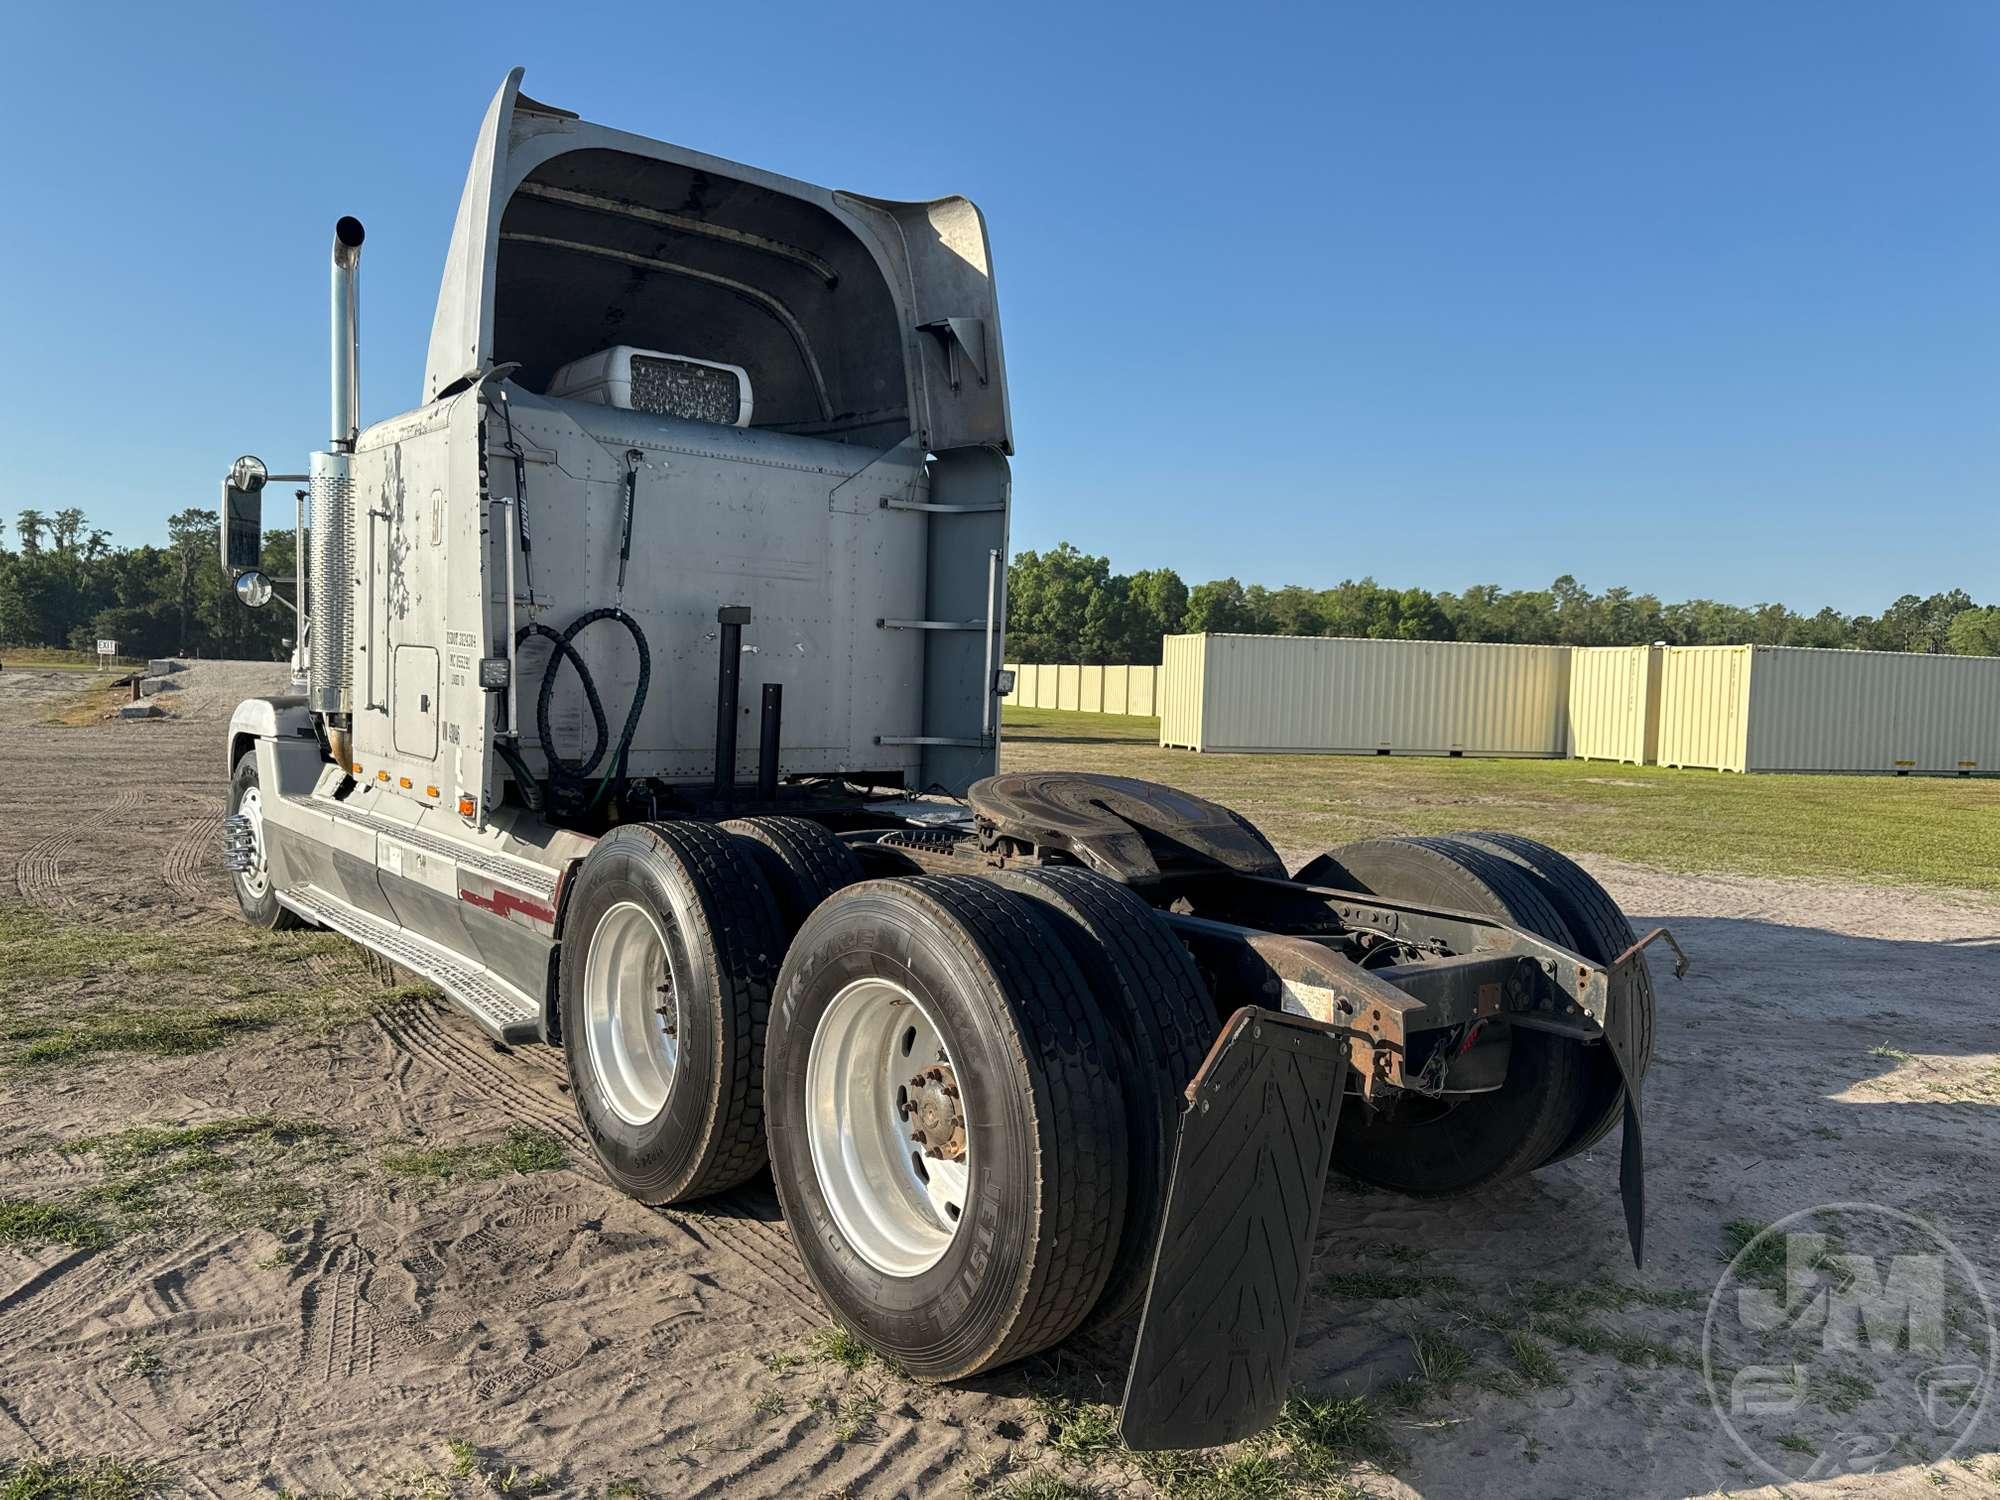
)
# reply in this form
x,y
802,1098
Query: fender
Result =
x,y
284,717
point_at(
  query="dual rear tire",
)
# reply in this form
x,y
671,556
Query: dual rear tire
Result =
x,y
1161,1023
965,1092
1560,1096
673,936
671,945
967,1089
1012,1096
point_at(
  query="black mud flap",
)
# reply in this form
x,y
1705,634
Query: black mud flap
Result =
x,y
1618,1034
1229,1278
1632,1179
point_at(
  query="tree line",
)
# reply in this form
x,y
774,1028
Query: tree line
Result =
x,y
63,584
1065,605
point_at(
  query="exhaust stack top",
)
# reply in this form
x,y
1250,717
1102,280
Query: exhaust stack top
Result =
x,y
347,237
331,668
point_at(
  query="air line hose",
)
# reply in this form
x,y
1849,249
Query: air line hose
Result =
x,y
569,781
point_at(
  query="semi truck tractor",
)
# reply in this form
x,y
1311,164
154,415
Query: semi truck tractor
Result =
x,y
647,704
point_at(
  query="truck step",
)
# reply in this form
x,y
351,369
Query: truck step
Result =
x,y
504,1011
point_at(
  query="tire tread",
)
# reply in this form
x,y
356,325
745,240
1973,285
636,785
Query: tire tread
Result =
x,y
749,947
801,856
1169,1017
1079,1240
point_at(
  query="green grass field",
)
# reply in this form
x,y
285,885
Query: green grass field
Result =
x,y
1883,830
41,658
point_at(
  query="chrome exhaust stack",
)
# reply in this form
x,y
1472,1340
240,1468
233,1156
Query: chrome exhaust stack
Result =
x,y
347,237
332,668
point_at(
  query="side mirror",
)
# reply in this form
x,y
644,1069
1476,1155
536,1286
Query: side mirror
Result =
x,y
254,589
243,518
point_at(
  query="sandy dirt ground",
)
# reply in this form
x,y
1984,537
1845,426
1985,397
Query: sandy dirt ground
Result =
x,y
359,1327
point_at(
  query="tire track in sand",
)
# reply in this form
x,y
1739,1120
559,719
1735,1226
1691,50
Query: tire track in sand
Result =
x,y
336,1326
194,860
736,1226
740,1224
50,1301
417,1028
38,871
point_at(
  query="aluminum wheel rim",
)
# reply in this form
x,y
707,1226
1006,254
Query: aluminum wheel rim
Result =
x,y
631,999
897,1204
257,879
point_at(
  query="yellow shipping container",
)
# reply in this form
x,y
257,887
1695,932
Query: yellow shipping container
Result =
x,y
1183,659
1789,708
1111,690
1614,703
1069,688
1090,689
1117,693
1143,699
1360,697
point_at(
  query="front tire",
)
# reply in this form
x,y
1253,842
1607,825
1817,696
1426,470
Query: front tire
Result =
x,y
671,942
256,891
1015,1104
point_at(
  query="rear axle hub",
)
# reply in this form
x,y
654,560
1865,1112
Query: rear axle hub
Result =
x,y
931,1107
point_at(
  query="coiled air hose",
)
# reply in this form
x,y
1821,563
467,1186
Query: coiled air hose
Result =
x,y
569,792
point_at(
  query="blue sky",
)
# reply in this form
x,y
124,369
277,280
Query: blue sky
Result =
x,y
1699,298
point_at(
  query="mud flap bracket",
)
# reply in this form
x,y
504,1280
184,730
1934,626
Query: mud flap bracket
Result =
x,y
1213,1358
